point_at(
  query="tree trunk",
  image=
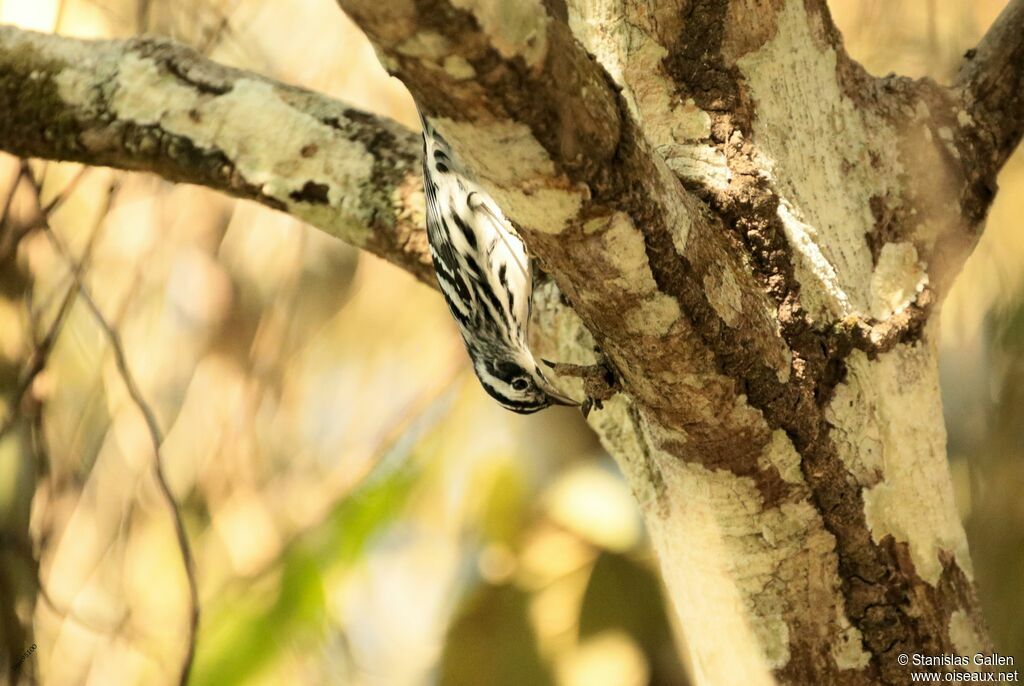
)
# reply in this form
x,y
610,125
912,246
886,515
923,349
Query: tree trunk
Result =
x,y
755,233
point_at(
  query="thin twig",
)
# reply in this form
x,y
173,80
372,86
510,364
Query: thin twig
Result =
x,y
56,201
8,237
43,347
142,16
9,198
37,362
155,435
223,28
58,19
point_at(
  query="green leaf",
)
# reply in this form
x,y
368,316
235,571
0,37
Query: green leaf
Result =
x,y
251,634
247,634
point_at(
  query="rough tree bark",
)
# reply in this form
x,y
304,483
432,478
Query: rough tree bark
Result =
x,y
755,232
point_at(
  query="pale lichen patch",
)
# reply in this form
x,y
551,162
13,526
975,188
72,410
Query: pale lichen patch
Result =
x,y
516,170
848,650
504,152
458,67
144,93
250,125
75,86
780,454
544,209
723,292
698,162
888,430
429,45
654,316
897,280
774,636
691,123
556,330
624,248
833,167
963,633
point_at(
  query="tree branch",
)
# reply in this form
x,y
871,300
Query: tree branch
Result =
x,y
992,81
151,105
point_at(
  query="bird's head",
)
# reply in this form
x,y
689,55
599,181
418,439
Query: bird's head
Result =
x,y
517,383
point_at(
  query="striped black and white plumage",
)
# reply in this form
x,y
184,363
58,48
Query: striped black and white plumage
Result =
x,y
484,272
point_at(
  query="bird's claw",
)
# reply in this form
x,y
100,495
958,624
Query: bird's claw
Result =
x,y
600,381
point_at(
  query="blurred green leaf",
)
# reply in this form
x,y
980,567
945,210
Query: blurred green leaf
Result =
x,y
492,642
247,638
346,532
248,633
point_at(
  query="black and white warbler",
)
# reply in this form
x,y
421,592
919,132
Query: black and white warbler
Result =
x,y
485,275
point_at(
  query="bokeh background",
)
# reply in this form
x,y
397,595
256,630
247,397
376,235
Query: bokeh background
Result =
x,y
359,511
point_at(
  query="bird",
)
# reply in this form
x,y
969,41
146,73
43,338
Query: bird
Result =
x,y
486,276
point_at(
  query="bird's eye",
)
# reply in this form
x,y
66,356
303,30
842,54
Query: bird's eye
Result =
x,y
520,384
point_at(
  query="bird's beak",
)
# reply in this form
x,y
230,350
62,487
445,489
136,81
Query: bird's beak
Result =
x,y
555,397
559,399
562,400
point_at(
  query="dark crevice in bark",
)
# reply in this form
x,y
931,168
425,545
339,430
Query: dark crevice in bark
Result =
x,y
312,193
180,71
696,64
889,225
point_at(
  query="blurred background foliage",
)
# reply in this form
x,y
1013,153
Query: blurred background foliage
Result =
x,y
359,511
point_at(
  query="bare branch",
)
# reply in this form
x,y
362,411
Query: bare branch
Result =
x,y
155,106
42,348
992,80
